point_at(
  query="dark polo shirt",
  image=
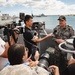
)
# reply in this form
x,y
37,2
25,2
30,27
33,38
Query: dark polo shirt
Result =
x,y
28,36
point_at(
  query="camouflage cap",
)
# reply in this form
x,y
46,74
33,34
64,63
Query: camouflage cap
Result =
x,y
62,18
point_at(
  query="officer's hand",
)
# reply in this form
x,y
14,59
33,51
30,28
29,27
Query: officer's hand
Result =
x,y
55,69
59,41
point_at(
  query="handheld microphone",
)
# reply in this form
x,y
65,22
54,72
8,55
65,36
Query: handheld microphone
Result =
x,y
54,32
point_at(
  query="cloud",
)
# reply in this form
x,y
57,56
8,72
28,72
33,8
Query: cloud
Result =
x,y
47,5
2,2
71,7
37,4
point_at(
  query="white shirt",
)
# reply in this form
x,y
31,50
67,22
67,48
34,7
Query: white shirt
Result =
x,y
2,48
23,70
3,62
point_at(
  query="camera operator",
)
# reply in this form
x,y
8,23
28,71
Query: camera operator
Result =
x,y
3,53
13,40
30,39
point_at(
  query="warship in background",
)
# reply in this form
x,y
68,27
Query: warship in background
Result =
x,y
41,15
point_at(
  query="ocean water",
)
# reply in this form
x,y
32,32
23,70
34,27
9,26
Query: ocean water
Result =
x,y
51,21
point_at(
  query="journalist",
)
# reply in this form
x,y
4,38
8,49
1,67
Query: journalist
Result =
x,y
3,52
30,39
13,40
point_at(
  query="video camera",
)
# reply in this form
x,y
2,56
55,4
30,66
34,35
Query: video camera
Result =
x,y
8,29
7,32
45,60
19,24
37,26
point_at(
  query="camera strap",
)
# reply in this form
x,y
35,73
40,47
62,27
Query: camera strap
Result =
x,y
13,35
30,43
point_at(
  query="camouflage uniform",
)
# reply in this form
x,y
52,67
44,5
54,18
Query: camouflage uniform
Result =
x,y
63,32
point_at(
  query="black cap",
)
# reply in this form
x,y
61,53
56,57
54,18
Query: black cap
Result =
x,y
62,18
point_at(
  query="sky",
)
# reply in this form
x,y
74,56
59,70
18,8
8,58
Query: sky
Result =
x,y
47,7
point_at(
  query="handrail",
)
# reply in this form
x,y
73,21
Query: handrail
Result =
x,y
68,51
